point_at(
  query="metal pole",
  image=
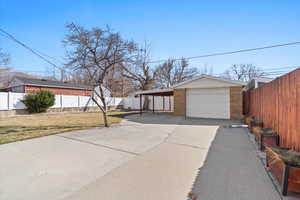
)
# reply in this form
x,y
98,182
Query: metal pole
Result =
x,y
163,103
184,103
170,103
141,108
153,103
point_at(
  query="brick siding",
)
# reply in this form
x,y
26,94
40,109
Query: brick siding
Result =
x,y
236,103
179,102
63,91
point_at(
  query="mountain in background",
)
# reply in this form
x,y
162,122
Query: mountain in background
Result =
x,y
7,74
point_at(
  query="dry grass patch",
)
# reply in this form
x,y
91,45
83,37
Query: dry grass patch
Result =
x,y
24,127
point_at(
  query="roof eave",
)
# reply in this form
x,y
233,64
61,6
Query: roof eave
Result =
x,y
209,77
53,86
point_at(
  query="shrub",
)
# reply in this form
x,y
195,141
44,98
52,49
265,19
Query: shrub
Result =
x,y
257,130
39,102
249,119
290,157
268,131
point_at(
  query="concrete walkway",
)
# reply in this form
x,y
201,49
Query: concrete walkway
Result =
x,y
144,158
233,171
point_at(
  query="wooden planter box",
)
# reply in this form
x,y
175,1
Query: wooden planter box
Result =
x,y
255,123
268,141
257,131
264,139
288,176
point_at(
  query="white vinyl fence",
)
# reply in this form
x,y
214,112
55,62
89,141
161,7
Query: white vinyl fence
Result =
x,y
160,103
12,101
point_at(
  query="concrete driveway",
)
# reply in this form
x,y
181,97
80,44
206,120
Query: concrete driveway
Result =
x,y
148,157
153,157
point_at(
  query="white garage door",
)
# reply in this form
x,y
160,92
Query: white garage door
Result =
x,y
208,103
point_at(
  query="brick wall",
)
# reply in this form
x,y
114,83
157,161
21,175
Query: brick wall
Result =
x,y
179,102
236,103
63,91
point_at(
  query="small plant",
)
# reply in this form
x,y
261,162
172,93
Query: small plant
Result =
x,y
39,102
249,119
256,122
268,131
290,157
258,130
192,196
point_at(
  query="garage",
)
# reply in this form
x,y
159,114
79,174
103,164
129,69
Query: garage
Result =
x,y
208,103
209,97
203,97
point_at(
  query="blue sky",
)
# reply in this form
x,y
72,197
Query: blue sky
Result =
x,y
174,29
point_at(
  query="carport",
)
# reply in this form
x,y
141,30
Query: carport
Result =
x,y
202,97
158,92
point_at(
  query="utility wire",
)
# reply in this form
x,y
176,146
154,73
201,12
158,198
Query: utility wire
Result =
x,y
232,52
267,72
43,55
8,35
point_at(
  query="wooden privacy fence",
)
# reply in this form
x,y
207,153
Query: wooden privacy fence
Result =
x,y
277,104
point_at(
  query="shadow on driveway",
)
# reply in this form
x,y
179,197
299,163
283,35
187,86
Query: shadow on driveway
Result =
x,y
171,119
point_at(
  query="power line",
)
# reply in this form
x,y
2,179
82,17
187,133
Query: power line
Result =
x,y
10,36
269,72
232,52
287,68
43,55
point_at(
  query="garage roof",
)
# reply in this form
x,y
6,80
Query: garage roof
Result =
x,y
234,82
156,92
19,81
169,91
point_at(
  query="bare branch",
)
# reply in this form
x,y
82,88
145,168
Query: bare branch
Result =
x,y
96,52
243,72
4,57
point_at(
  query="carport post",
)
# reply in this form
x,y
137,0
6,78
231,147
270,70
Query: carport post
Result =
x,y
141,108
163,103
170,103
185,103
153,103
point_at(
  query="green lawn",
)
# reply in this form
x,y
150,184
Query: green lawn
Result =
x,y
30,126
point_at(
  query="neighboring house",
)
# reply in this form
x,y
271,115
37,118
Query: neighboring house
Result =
x,y
7,74
257,82
32,85
205,97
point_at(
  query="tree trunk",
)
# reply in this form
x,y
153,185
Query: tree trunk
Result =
x,y
104,110
105,119
147,86
146,103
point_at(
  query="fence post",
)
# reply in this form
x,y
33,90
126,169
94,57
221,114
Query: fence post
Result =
x,y
8,94
61,101
78,101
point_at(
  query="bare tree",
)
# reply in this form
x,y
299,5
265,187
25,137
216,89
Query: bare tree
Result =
x,y
243,72
172,72
140,72
4,57
96,51
118,84
139,69
206,71
79,76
